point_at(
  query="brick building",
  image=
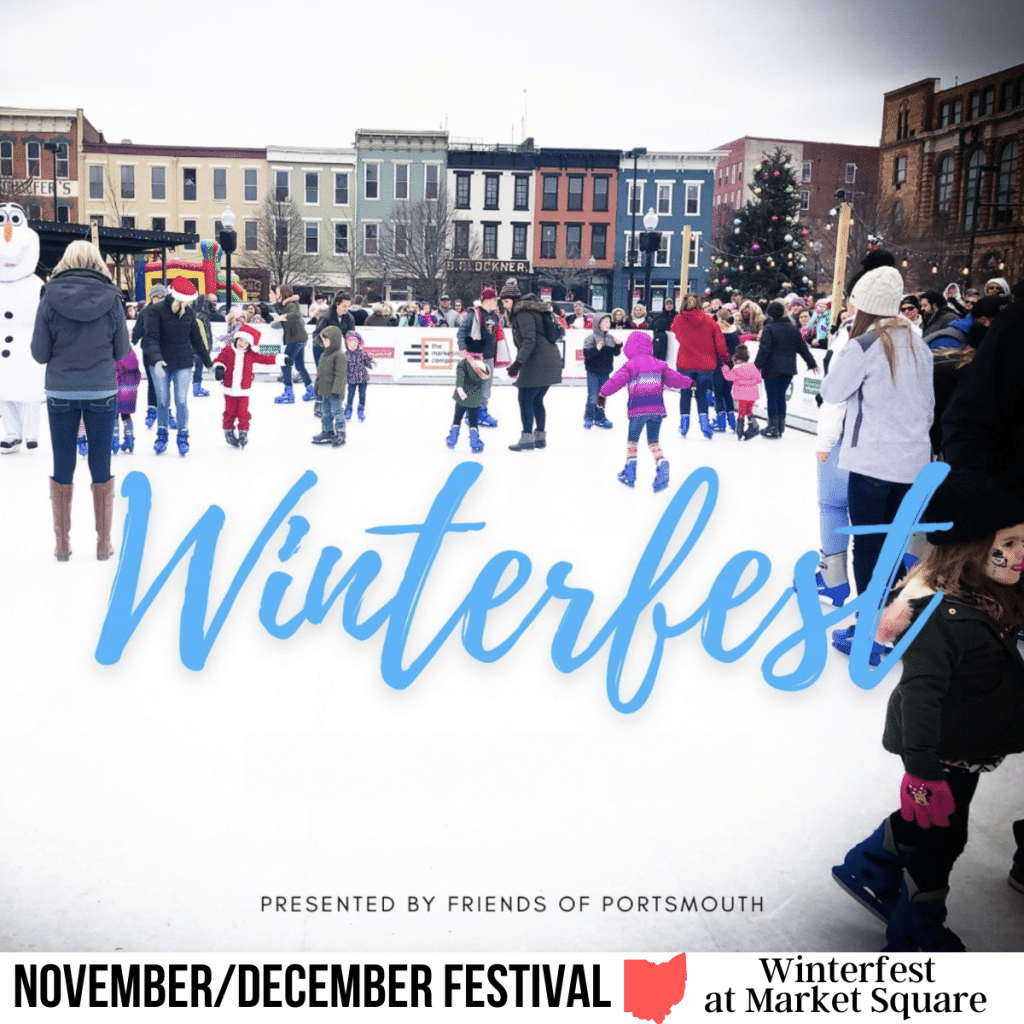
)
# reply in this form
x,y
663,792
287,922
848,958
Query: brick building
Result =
x,y
951,194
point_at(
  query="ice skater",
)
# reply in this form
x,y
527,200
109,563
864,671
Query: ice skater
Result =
x,y
129,377
359,363
470,375
599,352
745,378
331,380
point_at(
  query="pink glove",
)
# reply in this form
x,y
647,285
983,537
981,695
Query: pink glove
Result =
x,y
926,802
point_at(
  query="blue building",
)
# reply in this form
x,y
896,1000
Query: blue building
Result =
x,y
679,188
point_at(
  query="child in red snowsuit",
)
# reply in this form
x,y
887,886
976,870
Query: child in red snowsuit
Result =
x,y
233,368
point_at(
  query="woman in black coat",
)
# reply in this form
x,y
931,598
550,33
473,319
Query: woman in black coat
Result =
x,y
661,325
777,349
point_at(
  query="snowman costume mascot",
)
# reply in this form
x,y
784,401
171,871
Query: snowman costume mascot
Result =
x,y
21,377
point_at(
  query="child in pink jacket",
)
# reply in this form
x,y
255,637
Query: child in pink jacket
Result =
x,y
746,388
645,378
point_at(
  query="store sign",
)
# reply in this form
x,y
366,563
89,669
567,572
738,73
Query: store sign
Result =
x,y
66,189
488,266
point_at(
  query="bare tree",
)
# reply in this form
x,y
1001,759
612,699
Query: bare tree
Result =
x,y
571,275
16,190
281,245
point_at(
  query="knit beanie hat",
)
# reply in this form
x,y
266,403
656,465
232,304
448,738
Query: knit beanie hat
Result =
x,y
879,292
488,293
976,507
250,333
331,336
182,289
510,290
158,291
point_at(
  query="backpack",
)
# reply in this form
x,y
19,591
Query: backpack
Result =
x,y
552,328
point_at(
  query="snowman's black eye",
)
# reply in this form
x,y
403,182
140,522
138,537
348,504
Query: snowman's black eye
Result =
x,y
3,217
15,218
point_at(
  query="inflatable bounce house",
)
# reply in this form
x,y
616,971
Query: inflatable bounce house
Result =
x,y
206,274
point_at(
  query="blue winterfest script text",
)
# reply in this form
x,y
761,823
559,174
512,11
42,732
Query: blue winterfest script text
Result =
x,y
655,567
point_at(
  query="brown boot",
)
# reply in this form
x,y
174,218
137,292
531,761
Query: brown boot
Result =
x,y
60,501
103,507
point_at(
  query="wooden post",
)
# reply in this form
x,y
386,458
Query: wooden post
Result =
x,y
842,248
684,270
94,233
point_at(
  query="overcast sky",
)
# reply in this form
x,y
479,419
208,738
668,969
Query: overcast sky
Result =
x,y
665,74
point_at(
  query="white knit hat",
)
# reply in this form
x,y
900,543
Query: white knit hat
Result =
x,y
879,292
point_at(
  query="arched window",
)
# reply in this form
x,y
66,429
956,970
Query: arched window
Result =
x,y
1007,183
972,185
943,188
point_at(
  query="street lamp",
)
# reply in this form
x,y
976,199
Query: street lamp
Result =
x,y
631,255
228,240
53,148
650,242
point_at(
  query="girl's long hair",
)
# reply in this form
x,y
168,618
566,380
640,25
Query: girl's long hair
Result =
x,y
865,322
82,255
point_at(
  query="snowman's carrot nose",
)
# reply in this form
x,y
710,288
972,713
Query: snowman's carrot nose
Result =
x,y
8,231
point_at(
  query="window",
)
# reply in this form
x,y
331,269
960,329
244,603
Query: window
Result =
x,y
462,191
401,240
599,241
95,181
218,227
188,184
974,107
127,181
519,241
158,183
401,181
431,238
128,222
341,188
943,115
550,198
189,227
548,241
97,219
661,257
630,250
664,203
461,241
1006,96
282,186
851,174
575,192
63,214
280,234
251,236
490,250
251,192
601,194
694,248
635,198
312,188
159,223
432,183
34,211
943,187
521,199
33,159
1007,183
805,199
220,184
312,236
6,159
988,100
371,185
340,239
958,111
972,187
899,170
805,171
903,124
370,233
573,241
61,156
692,200
491,182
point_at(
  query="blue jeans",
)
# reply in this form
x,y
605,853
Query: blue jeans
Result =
x,y
331,416
703,381
873,502
180,380
637,424
775,387
65,414
352,394
296,351
594,383
833,503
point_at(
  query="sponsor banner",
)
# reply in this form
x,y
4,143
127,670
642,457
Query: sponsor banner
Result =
x,y
622,986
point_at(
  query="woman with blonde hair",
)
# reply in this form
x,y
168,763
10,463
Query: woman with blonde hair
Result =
x,y
80,334
751,319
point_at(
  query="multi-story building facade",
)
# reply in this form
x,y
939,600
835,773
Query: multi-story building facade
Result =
x,y
951,188
403,213
28,169
575,206
678,188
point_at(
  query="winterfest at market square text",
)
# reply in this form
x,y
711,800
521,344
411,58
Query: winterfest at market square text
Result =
x,y
196,640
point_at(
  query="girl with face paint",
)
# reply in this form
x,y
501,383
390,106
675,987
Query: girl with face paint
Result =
x,y
956,713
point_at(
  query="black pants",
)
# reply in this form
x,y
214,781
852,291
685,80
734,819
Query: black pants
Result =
x,y
150,391
531,408
872,502
470,414
936,849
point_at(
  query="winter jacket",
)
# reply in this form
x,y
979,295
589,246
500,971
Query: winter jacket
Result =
x,y
173,338
778,346
487,328
645,378
294,328
144,323
961,695
359,363
887,421
332,372
128,379
661,325
746,381
701,345
934,322
238,364
345,323
583,322
540,360
469,378
601,360
373,320
955,334
80,332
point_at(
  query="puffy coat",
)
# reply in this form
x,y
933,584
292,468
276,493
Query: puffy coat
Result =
x,y
778,346
746,381
701,343
644,377
172,339
540,360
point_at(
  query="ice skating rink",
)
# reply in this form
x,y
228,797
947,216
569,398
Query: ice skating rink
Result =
x,y
148,806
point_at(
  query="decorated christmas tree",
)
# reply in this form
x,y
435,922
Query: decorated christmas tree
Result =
x,y
760,251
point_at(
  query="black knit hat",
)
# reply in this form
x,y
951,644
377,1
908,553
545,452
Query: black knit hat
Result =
x,y
510,289
977,508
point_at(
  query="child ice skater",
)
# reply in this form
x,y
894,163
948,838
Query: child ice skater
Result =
x,y
331,380
359,363
745,378
957,711
470,375
645,378
233,368
599,352
129,376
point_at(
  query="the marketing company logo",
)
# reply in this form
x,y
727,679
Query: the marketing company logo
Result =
x,y
653,990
